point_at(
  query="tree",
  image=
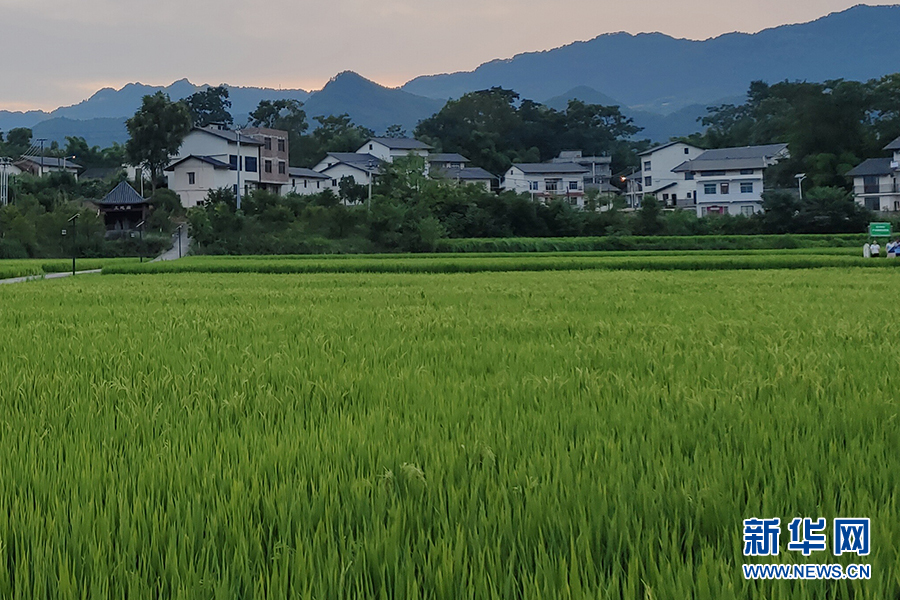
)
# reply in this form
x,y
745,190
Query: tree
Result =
x,y
18,140
395,131
156,132
210,106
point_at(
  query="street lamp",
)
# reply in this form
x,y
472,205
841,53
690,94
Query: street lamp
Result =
x,y
370,168
140,228
64,158
72,222
178,231
800,177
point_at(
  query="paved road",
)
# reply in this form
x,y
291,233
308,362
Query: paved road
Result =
x,y
172,253
46,276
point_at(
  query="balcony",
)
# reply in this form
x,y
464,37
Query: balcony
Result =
x,y
878,188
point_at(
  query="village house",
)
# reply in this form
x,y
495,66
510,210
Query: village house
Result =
x,y
599,169
361,168
387,149
547,181
215,157
730,180
875,184
44,165
306,181
657,176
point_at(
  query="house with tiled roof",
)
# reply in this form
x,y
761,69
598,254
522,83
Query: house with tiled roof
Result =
x,y
658,179
876,181
730,180
547,181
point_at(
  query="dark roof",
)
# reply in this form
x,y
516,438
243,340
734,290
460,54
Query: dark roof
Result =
x,y
447,157
731,159
307,173
725,164
218,164
766,151
356,160
665,187
100,172
122,194
401,143
661,147
549,168
895,145
46,161
468,174
873,166
231,136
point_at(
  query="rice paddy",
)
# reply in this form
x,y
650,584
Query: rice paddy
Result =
x,y
556,434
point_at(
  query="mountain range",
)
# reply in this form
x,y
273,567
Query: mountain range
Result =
x,y
665,84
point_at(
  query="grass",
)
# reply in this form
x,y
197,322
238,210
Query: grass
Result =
x,y
583,434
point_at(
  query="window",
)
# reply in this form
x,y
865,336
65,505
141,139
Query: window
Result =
x,y
533,186
250,164
724,189
870,185
689,176
370,146
747,187
267,143
268,166
873,204
709,189
192,178
746,171
648,181
665,197
646,165
282,167
674,197
573,185
232,162
747,211
317,184
281,144
550,185
306,183
687,150
712,174
334,183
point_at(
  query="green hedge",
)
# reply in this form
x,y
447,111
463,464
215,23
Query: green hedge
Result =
x,y
607,243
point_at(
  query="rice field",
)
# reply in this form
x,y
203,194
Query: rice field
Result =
x,y
555,434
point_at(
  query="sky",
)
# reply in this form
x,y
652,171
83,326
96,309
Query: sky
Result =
x,y
57,53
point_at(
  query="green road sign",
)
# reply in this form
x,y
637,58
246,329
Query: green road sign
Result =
x,y
880,229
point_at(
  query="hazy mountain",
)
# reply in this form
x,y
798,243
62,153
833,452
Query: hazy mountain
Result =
x,y
369,104
96,132
586,94
658,73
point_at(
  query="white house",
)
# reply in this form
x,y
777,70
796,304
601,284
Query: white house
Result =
x,y
730,180
221,145
657,176
306,181
387,149
547,181
192,177
362,168
43,165
875,181
599,169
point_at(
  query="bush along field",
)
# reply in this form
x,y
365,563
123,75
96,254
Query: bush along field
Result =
x,y
587,434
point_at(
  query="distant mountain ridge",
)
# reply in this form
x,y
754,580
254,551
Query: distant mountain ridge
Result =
x,y
658,73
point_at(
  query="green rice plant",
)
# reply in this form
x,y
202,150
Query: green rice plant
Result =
x,y
689,261
577,434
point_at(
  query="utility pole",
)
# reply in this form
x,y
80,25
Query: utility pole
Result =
x,y
4,180
41,168
238,194
71,221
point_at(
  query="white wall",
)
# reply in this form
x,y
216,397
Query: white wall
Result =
x,y
520,182
661,164
735,200
305,186
199,143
